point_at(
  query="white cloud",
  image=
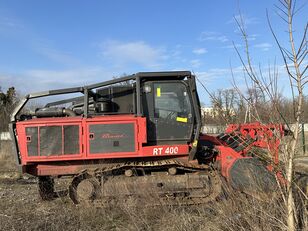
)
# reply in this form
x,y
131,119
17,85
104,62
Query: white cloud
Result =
x,y
213,36
195,63
138,52
252,37
8,22
219,74
263,46
218,71
237,45
199,51
245,19
57,56
32,39
46,79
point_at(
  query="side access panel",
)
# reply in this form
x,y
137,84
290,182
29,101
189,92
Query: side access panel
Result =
x,y
114,136
105,138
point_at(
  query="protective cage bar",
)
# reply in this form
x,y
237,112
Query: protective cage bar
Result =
x,y
85,90
138,77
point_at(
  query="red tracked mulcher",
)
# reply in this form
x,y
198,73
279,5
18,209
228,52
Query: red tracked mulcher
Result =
x,y
136,132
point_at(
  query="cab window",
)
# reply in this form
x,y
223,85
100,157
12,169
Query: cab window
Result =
x,y
171,101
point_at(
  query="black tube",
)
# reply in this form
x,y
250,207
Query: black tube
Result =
x,y
86,102
49,112
12,127
69,112
196,107
138,91
53,112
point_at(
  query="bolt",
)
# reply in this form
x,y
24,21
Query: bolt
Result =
x,y
172,171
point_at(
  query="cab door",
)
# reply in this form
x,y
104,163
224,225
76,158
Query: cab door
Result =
x,y
167,106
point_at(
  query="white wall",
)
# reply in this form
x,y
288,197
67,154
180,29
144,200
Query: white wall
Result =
x,y
5,136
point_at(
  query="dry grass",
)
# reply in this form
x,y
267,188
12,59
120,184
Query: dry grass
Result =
x,y
21,209
238,213
7,161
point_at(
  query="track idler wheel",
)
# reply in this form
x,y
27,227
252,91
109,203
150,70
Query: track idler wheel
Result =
x,y
46,187
84,188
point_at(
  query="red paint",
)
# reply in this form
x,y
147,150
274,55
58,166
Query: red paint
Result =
x,y
266,136
84,154
227,157
165,150
22,140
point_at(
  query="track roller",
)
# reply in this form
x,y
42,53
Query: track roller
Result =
x,y
172,171
84,188
129,172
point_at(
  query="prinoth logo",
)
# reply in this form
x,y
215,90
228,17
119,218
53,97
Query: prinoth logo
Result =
x,y
112,136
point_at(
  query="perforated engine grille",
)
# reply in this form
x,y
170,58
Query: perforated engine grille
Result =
x,y
53,140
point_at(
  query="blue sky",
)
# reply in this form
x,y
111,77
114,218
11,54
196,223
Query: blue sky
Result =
x,y
56,44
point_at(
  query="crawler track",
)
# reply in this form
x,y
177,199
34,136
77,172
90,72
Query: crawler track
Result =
x,y
116,172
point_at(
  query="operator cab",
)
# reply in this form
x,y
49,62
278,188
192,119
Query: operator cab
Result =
x,y
168,108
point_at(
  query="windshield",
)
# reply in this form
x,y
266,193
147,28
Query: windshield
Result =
x,y
171,101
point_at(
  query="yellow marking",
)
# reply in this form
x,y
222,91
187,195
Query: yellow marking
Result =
x,y
158,92
181,119
195,143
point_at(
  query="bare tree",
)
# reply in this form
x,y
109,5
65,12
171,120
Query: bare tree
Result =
x,y
225,105
296,67
7,103
233,106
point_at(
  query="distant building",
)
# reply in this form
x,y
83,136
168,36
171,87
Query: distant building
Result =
x,y
5,136
213,112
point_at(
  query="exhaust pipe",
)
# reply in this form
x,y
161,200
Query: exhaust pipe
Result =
x,y
53,112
